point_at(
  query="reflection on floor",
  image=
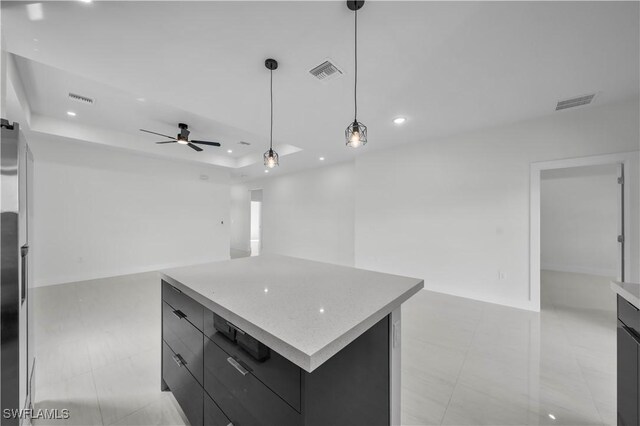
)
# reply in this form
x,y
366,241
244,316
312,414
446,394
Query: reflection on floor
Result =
x,y
464,362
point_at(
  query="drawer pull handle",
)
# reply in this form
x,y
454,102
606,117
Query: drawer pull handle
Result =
x,y
237,366
235,328
179,360
179,314
176,289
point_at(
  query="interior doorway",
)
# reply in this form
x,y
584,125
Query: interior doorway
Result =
x,y
581,234
256,222
625,239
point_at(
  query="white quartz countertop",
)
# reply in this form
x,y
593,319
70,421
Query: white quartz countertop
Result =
x,y
628,291
306,311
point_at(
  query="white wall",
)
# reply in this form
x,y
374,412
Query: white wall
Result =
x,y
455,211
240,210
255,219
579,216
308,214
102,212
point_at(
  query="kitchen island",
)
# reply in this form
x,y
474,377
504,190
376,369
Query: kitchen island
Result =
x,y
275,340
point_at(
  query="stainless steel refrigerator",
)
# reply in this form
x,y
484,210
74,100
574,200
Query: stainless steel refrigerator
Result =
x,y
17,360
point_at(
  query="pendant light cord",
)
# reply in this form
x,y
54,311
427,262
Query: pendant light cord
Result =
x,y
271,96
355,82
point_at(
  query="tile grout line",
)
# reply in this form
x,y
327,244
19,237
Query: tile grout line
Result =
x,y
466,356
93,378
582,374
134,412
575,358
95,388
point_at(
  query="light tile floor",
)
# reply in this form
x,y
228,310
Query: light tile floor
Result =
x,y
464,362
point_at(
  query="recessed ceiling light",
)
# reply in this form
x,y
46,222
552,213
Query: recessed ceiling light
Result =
x,y
552,417
85,1
35,12
322,310
321,158
140,99
399,120
266,171
230,151
71,113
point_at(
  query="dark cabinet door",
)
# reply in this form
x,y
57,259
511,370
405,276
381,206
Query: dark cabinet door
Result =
x,y
183,385
240,395
213,415
628,395
276,372
183,339
190,310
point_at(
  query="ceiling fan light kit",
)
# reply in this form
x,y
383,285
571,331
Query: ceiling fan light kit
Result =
x,y
355,133
183,138
271,158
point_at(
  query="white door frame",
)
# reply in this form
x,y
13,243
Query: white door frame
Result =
x,y
630,161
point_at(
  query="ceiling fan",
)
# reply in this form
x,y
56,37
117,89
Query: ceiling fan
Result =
x,y
183,138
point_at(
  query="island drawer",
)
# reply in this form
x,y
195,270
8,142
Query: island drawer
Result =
x,y
629,315
276,372
185,340
213,415
239,393
192,310
184,387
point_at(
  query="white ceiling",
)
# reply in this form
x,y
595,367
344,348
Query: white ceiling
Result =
x,y
446,66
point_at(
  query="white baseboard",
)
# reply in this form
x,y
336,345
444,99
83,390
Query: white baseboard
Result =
x,y
525,305
116,272
577,269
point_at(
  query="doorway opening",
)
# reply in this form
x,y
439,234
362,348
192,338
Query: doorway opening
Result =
x,y
584,217
256,222
627,252
581,236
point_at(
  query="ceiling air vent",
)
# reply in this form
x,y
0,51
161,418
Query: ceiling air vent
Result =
x,y
326,71
81,99
574,102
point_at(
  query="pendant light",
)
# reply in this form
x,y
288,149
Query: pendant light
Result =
x,y
356,133
271,157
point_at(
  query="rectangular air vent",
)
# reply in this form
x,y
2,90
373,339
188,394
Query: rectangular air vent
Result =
x,y
574,102
326,71
81,99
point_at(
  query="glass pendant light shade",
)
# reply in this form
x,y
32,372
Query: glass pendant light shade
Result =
x,y
356,134
271,159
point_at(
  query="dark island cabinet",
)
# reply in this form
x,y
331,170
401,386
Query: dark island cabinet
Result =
x,y
220,375
628,339
184,386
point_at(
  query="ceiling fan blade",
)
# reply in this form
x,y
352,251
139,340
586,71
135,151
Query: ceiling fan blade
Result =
x,y
154,133
207,143
167,142
197,148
